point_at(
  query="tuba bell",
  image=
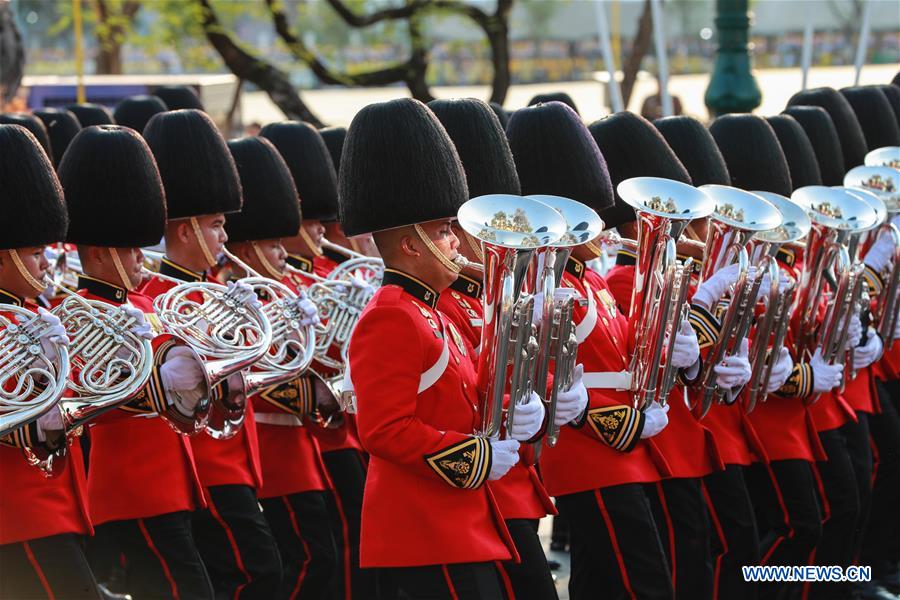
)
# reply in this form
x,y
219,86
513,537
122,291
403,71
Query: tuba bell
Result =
x,y
886,156
510,229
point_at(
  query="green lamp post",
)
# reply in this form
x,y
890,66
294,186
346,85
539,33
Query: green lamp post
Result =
x,y
732,87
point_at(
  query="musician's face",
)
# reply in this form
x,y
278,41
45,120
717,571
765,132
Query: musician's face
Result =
x,y
132,260
212,229
35,263
273,253
315,230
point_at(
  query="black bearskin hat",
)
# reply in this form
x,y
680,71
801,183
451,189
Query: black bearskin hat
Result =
x,y
823,136
875,115
306,155
853,143
136,111
195,165
271,208
31,199
554,97
178,97
501,113
751,150
556,155
32,124
798,151
113,189
633,148
334,141
695,148
62,126
91,114
399,167
896,79
481,144
892,93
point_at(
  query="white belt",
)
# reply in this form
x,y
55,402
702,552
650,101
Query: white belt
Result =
x,y
283,419
610,380
587,324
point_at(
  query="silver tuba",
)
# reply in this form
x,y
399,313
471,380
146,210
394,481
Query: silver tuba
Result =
x,y
510,229
886,156
663,209
556,333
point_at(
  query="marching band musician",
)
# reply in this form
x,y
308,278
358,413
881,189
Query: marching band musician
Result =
x,y
489,168
89,114
142,479
44,519
875,116
136,111
62,127
428,520
852,141
201,187
634,148
30,122
336,553
295,486
596,469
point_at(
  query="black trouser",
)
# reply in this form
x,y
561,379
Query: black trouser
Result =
x,y
735,534
788,516
840,509
303,530
463,581
859,449
683,524
48,567
531,578
237,545
161,558
615,546
884,518
559,536
347,470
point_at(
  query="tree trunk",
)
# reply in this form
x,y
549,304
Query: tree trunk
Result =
x,y
639,48
109,59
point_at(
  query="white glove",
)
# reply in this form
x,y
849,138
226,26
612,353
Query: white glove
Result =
x,y
527,419
52,335
825,377
854,332
183,380
50,422
243,293
559,294
655,420
504,456
780,371
879,255
686,350
359,284
571,403
764,287
711,291
865,355
308,308
141,327
735,370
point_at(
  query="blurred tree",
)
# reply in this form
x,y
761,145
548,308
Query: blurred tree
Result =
x,y
12,54
114,19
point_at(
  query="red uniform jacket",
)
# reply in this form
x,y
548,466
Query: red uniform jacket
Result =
x,y
425,501
33,506
234,461
606,448
689,447
520,493
139,466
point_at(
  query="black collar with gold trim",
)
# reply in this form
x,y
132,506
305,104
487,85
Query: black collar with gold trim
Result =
x,y
10,298
575,267
334,256
300,262
468,286
412,286
102,289
171,269
626,258
788,256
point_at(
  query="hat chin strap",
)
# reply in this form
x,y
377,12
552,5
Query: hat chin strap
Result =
x,y
449,264
126,281
28,277
474,245
313,247
594,249
210,259
267,266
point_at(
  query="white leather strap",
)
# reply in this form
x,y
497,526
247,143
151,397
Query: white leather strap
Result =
x,y
433,374
607,381
283,419
584,329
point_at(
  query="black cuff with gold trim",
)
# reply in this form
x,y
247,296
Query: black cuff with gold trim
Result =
x,y
465,465
799,384
617,426
682,377
705,325
871,277
296,396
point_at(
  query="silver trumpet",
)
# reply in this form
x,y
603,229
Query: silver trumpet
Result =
x,y
772,328
556,332
837,215
737,217
510,228
663,209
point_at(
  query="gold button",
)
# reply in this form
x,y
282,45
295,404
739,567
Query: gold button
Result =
x,y
465,387
456,358
615,341
605,322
